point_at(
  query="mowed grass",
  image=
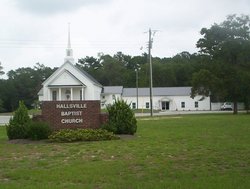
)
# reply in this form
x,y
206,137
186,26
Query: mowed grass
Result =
x,y
195,151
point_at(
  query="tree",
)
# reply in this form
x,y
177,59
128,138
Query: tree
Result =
x,y
23,84
1,106
18,125
227,45
1,69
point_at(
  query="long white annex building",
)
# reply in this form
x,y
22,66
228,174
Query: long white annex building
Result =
x,y
164,98
70,83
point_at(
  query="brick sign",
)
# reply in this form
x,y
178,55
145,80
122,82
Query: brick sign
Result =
x,y
73,114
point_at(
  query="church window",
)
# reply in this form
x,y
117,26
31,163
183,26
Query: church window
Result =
x,y
133,105
80,94
54,95
183,104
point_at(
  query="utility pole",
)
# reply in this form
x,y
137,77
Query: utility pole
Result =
x,y
136,71
150,70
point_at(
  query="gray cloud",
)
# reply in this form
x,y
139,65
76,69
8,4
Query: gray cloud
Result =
x,y
36,30
54,6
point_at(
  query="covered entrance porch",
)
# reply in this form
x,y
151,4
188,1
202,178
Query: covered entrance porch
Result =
x,y
165,104
64,93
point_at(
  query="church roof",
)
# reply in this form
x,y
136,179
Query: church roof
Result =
x,y
88,75
76,68
158,91
40,93
112,89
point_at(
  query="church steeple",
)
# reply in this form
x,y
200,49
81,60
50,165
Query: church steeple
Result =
x,y
69,51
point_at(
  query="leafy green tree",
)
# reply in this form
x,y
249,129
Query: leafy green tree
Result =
x,y
204,83
90,63
1,69
164,75
227,45
1,106
119,69
107,70
24,84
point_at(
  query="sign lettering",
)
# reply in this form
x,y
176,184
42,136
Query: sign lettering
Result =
x,y
71,106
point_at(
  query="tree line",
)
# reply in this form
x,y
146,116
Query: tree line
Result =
x,y
220,69
116,70
22,84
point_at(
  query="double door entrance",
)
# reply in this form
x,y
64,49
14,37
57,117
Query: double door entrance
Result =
x,y
165,105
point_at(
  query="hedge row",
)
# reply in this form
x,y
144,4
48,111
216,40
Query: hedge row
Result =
x,y
70,135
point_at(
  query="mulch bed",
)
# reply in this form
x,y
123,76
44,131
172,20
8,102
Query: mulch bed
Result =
x,y
28,141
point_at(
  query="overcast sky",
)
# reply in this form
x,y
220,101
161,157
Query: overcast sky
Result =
x,y
36,30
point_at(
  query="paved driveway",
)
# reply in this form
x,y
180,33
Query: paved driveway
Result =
x,y
181,113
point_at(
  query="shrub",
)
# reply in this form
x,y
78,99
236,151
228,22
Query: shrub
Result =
x,y
70,135
38,130
121,118
18,125
110,127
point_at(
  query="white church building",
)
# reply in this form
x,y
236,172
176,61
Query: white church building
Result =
x,y
70,83
164,98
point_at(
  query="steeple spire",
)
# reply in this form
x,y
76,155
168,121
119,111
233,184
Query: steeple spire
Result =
x,y
69,51
69,44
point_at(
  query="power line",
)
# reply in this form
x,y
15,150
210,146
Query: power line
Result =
x,y
47,44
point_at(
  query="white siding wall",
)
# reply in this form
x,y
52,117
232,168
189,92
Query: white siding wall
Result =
x,y
141,101
97,92
40,98
45,93
174,102
76,93
190,103
109,99
62,77
65,78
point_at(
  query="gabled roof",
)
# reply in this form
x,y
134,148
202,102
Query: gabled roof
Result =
x,y
158,91
40,93
78,69
88,75
112,89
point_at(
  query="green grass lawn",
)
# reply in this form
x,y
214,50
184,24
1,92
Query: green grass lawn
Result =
x,y
191,151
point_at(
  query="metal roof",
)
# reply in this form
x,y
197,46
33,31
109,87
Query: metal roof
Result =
x,y
88,75
158,91
112,89
40,93
77,68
